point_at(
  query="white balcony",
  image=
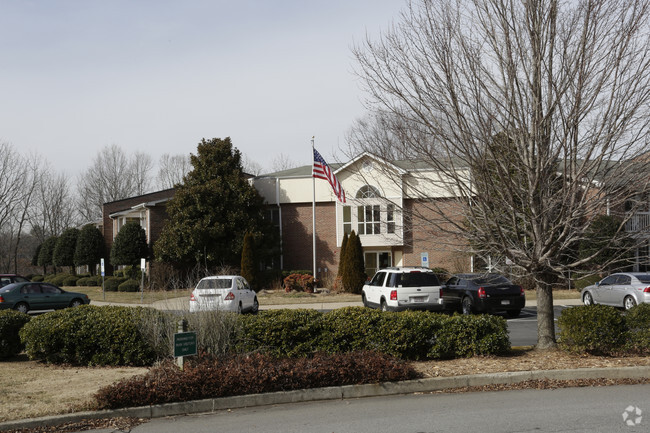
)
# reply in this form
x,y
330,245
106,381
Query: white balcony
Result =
x,y
639,222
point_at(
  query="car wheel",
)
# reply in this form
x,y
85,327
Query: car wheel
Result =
x,y
256,306
513,313
629,302
22,307
76,303
587,299
239,308
383,305
466,306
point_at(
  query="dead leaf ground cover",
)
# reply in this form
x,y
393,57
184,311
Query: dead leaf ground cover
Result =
x,y
32,389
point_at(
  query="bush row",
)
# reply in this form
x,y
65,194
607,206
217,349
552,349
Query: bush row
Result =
x,y
11,323
408,335
604,330
213,377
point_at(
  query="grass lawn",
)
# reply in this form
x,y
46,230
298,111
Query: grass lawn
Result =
x,y
266,297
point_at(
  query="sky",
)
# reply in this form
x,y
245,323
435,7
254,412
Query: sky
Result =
x,y
157,76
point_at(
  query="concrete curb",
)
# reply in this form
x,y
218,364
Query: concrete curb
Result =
x,y
335,393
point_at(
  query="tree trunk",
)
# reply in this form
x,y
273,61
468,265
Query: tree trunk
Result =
x,y
545,317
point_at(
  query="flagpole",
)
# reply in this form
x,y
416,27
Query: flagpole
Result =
x,y
313,208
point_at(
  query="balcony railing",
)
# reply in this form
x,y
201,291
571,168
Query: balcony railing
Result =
x,y
639,222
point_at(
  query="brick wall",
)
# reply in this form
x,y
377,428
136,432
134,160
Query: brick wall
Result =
x,y
421,235
297,239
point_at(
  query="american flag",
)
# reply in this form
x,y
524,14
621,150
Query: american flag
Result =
x,y
323,171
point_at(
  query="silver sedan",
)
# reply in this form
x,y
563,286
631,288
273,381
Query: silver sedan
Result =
x,y
625,289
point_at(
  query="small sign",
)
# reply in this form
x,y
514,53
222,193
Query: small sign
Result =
x,y
184,344
424,260
102,266
143,264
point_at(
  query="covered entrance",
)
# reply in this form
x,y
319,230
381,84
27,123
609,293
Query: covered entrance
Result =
x,y
375,260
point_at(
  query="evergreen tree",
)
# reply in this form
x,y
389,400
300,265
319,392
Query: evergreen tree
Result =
x,y
248,263
130,245
90,247
45,255
212,210
63,254
354,272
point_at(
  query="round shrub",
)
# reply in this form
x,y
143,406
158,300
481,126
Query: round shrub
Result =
x,y
57,279
282,332
111,284
129,286
596,329
637,320
70,281
11,323
90,335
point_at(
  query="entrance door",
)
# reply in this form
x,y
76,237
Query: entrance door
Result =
x,y
376,260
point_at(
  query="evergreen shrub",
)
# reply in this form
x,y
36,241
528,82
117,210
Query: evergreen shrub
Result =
x,y
112,284
11,322
595,329
637,320
129,286
70,281
90,335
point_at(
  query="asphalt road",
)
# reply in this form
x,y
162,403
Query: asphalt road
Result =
x,y
523,329
598,409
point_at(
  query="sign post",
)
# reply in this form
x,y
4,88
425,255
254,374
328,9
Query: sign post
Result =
x,y
103,289
184,343
424,260
143,266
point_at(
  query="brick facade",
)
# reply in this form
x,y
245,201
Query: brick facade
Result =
x,y
157,217
297,238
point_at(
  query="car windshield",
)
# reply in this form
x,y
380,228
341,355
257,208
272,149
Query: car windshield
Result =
x,y
417,279
645,279
490,279
215,283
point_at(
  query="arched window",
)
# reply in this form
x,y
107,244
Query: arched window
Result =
x,y
368,215
368,191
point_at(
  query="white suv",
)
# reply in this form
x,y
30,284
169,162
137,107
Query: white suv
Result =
x,y
403,288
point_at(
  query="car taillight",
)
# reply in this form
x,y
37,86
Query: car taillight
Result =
x,y
481,292
441,292
393,295
230,296
192,298
646,290
2,299
522,292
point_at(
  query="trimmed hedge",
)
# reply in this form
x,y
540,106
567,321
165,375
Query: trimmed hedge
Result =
x,y
407,335
129,286
90,335
637,320
595,329
70,281
11,322
212,377
112,284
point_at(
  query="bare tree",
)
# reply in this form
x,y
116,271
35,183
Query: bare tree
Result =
x,y
172,169
54,209
141,166
282,162
112,176
537,117
250,166
18,184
